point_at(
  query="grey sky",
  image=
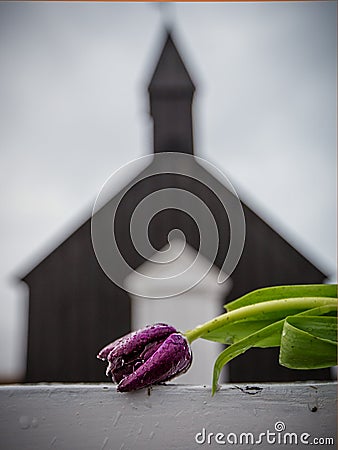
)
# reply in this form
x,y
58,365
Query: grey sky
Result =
x,y
74,108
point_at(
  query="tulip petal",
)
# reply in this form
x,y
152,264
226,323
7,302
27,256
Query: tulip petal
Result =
x,y
122,366
172,358
135,341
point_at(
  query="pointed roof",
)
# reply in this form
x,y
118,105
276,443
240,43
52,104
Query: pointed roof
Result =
x,y
170,73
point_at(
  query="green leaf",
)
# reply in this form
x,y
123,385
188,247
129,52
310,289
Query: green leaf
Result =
x,y
273,333
324,327
232,333
244,321
242,346
280,292
309,342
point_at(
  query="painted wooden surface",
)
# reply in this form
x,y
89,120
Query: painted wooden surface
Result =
x,y
92,416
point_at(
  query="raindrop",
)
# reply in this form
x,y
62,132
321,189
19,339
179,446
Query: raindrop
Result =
x,y
24,422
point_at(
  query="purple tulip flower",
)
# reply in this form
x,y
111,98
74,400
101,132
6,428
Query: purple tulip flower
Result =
x,y
152,355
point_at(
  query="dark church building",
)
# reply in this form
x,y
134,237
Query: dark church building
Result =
x,y
74,308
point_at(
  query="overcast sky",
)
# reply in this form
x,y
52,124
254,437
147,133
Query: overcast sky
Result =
x,y
73,108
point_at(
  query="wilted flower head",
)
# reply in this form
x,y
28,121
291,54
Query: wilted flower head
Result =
x,y
152,355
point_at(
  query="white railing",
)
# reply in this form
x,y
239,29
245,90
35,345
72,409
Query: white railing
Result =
x,y
95,416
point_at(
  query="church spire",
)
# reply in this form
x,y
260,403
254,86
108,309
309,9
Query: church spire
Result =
x,y
171,92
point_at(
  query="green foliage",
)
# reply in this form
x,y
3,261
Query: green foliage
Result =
x,y
309,342
283,292
301,320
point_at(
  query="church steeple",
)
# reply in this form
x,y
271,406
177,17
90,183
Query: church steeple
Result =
x,y
171,92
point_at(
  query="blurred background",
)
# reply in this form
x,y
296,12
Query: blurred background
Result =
x,y
74,108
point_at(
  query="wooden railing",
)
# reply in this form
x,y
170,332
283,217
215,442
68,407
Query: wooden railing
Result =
x,y
88,416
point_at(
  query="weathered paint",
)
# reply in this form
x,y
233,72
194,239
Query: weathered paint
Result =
x,y
95,416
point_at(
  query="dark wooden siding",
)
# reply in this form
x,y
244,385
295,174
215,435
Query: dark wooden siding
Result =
x,y
74,309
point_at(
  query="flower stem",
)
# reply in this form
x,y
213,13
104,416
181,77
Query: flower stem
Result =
x,y
282,308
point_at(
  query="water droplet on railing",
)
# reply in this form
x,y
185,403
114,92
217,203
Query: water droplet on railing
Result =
x,y
35,422
24,422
